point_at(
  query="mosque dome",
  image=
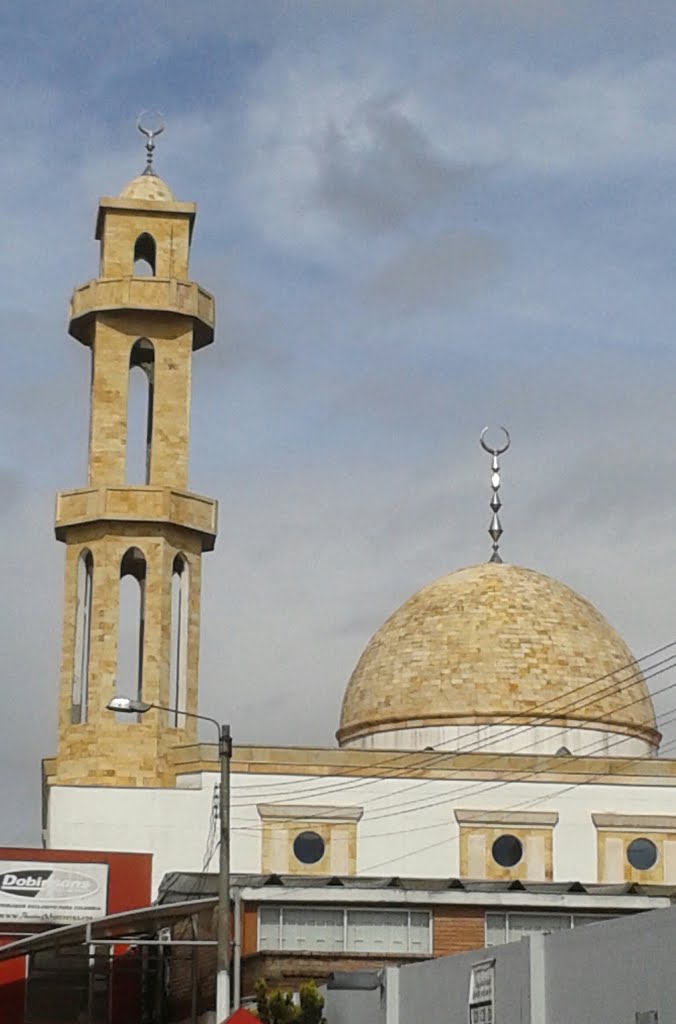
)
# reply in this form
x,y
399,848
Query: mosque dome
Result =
x,y
148,186
496,645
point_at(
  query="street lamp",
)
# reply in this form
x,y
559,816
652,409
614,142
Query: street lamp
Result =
x,y
138,707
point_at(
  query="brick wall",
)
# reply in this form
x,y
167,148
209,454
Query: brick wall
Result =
x,y
289,970
192,969
457,929
249,929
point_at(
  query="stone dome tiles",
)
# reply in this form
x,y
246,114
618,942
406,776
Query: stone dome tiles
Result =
x,y
148,186
491,643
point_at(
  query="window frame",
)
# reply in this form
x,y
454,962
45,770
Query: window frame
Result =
x,y
572,917
632,845
84,603
181,579
145,251
314,908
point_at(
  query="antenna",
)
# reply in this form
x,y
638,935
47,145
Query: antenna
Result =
x,y
495,529
151,134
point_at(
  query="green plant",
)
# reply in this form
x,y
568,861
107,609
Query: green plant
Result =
x,y
311,1005
277,1007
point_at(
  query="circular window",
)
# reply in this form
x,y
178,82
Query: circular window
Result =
x,y
642,854
507,851
309,847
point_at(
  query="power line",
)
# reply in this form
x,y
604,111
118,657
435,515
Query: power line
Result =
x,y
507,721
254,829
452,838
436,755
553,759
526,803
213,840
527,777
523,777
594,745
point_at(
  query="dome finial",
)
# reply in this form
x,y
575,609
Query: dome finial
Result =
x,y
495,529
150,134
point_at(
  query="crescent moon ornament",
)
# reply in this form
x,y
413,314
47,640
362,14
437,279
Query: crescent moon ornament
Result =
x,y
151,134
154,116
495,529
495,451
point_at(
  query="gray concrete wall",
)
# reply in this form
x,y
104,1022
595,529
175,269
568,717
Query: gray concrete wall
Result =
x,y
606,973
354,1007
600,974
436,991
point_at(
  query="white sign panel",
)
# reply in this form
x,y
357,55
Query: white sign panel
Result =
x,y
56,893
482,993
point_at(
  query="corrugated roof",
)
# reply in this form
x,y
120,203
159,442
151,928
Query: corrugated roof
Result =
x,y
180,885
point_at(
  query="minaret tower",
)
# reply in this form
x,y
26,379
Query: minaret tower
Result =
x,y
141,316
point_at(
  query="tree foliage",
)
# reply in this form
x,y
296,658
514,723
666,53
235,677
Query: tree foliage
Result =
x,y
274,1006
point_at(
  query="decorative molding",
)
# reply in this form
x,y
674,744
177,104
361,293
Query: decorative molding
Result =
x,y
309,812
543,819
352,762
637,822
370,727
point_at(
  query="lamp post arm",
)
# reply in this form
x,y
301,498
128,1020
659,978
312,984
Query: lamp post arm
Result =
x,y
189,714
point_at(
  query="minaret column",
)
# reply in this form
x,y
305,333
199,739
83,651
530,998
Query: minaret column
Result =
x,y
164,351
134,547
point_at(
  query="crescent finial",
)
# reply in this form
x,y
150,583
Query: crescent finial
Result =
x,y
495,529
495,451
151,134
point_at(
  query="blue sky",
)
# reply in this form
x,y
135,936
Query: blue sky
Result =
x,y
417,219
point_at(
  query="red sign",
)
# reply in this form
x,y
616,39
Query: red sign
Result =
x,y
127,887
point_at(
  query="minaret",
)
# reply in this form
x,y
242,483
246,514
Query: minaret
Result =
x,y
146,535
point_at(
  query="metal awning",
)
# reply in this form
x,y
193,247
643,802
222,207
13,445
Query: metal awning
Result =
x,y
126,926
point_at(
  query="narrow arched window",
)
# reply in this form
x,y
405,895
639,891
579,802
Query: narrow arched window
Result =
x,y
145,252
140,411
180,589
83,618
131,626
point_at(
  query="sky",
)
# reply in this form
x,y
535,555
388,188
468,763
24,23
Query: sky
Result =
x,y
417,219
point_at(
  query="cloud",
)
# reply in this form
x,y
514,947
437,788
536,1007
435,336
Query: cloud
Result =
x,y
600,116
435,271
537,121
380,170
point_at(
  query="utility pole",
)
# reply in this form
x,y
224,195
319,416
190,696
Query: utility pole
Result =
x,y
223,934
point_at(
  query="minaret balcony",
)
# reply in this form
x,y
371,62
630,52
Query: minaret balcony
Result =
x,y
147,505
148,294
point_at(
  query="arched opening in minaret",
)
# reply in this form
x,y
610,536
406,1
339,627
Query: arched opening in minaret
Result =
x,y
145,253
131,627
83,617
140,411
180,587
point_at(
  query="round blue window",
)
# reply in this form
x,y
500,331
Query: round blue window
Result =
x,y
642,854
507,851
309,847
